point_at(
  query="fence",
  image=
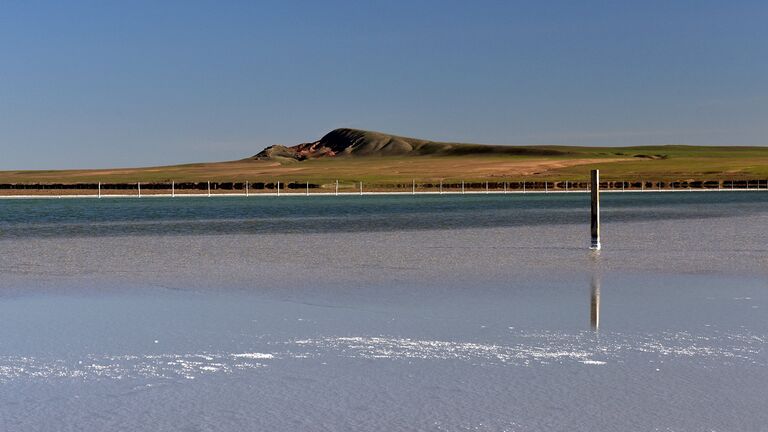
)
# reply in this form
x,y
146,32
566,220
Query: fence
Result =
x,y
292,188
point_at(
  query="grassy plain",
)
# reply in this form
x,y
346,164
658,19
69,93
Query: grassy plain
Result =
x,y
616,163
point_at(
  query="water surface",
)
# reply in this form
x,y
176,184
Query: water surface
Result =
x,y
384,313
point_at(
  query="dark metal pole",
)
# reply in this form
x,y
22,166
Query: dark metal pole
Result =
x,y
595,222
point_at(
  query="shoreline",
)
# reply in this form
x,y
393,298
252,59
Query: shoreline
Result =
x,y
371,193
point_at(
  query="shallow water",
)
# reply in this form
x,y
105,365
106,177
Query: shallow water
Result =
x,y
384,313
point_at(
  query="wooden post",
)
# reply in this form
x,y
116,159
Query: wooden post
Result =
x,y
99,189
246,188
545,187
209,189
523,186
337,188
361,188
462,187
173,189
139,187
413,190
595,220
307,188
278,188
486,188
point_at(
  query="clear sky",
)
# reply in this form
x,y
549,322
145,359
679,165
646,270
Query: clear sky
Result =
x,y
125,83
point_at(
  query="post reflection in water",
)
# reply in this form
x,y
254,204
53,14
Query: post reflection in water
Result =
x,y
594,310
594,304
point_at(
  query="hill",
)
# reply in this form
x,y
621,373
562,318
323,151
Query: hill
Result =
x,y
355,142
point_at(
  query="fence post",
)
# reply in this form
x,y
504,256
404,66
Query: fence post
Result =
x,y
337,188
462,187
173,189
138,184
209,189
307,188
99,189
595,219
246,188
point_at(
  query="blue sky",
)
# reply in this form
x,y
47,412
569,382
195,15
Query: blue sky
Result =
x,y
127,83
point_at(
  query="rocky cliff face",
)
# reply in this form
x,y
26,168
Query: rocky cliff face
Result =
x,y
355,142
